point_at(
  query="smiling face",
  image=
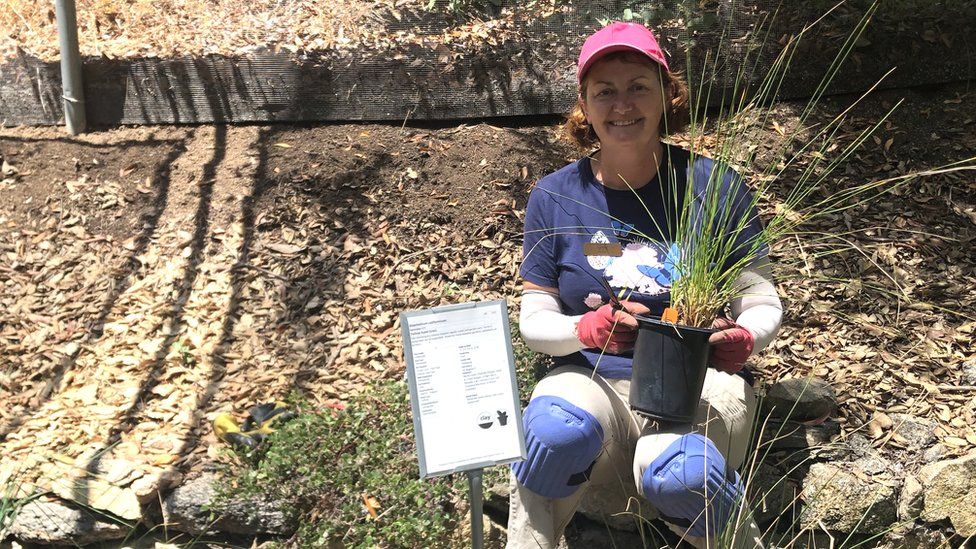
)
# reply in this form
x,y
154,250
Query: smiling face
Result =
x,y
623,101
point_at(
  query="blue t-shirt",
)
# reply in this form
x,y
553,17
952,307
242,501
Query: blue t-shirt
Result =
x,y
569,208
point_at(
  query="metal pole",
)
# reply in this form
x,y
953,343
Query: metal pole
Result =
x,y
477,511
73,91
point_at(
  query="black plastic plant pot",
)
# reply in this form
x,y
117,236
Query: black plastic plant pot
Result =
x,y
669,370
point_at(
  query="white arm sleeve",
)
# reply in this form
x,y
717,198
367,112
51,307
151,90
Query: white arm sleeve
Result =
x,y
757,307
544,327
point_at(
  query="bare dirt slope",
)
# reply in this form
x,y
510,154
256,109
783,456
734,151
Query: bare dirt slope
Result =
x,y
153,277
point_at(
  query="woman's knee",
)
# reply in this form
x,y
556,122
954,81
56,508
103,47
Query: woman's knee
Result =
x,y
688,481
563,442
568,380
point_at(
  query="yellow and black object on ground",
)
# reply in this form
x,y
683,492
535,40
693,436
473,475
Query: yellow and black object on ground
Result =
x,y
260,422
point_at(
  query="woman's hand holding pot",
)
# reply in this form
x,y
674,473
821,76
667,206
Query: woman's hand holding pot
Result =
x,y
731,345
611,329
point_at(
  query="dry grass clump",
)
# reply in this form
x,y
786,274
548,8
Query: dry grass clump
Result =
x,y
170,28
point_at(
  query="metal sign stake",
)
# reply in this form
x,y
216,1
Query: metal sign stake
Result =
x,y
73,89
463,394
477,511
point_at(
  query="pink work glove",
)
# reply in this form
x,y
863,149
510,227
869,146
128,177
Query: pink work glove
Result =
x,y
731,345
598,330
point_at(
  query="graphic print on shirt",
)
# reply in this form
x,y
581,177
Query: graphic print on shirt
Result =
x,y
667,272
644,267
620,229
593,301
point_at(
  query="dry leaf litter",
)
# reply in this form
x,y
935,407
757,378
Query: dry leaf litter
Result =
x,y
172,28
152,278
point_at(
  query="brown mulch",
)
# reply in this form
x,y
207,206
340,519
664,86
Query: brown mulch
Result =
x,y
155,277
123,29
885,307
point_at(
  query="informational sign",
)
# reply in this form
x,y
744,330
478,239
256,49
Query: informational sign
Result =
x,y
463,391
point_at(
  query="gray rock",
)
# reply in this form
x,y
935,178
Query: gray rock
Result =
x,y
873,465
772,493
969,372
497,495
918,433
911,500
845,449
191,509
617,505
861,447
917,537
950,493
845,499
801,399
790,435
856,448
55,523
934,454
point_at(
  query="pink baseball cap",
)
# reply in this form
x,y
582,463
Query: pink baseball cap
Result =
x,y
619,36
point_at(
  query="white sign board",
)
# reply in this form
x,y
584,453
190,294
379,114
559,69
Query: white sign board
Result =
x,y
463,391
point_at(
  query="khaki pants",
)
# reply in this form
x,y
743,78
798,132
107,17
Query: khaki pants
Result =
x,y
631,442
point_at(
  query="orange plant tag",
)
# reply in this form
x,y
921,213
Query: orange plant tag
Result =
x,y
670,314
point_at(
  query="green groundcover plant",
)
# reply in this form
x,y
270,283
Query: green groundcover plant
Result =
x,y
329,467
350,477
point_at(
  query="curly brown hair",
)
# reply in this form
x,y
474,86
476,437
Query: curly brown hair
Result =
x,y
580,133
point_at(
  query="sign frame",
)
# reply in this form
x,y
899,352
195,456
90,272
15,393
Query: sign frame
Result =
x,y
408,347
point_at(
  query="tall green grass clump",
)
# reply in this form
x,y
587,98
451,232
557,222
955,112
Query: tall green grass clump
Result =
x,y
8,508
13,496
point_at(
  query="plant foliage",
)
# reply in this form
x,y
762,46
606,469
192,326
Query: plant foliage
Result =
x,y
332,468
327,467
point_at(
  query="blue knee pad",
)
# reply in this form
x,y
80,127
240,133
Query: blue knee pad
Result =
x,y
563,442
690,485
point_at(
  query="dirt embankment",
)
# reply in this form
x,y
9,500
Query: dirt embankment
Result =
x,y
153,277
156,276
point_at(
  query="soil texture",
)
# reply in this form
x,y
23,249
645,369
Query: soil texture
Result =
x,y
154,277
